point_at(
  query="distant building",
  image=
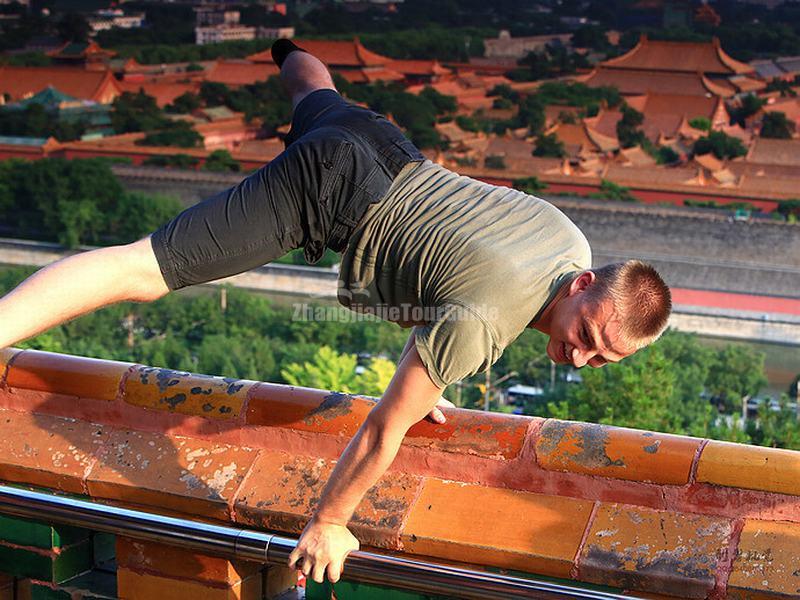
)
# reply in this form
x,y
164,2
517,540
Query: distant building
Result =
x,y
690,68
88,55
348,58
505,46
103,20
19,83
223,33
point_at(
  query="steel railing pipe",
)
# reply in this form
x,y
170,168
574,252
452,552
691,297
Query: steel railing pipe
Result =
x,y
268,548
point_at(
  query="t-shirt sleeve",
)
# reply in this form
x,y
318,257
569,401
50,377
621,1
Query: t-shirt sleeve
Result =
x,y
456,345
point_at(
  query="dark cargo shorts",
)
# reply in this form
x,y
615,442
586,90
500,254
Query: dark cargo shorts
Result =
x,y
339,159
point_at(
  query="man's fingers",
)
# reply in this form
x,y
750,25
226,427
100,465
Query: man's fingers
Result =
x,y
319,571
437,416
334,572
445,403
306,565
293,558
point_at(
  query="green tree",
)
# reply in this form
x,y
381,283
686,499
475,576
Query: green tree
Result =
x,y
529,185
613,191
721,144
736,374
185,103
549,145
221,160
136,112
73,27
776,125
666,155
701,123
628,128
329,370
747,107
173,133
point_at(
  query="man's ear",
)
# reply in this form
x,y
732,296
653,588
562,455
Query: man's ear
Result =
x,y
581,282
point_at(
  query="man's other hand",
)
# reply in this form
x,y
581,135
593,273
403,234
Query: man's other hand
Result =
x,y
436,415
322,547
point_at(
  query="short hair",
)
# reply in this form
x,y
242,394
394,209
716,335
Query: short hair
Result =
x,y
640,297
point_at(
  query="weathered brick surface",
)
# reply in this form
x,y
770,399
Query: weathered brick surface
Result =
x,y
179,563
186,393
68,375
766,564
140,586
47,451
750,467
474,432
334,413
6,356
658,551
615,452
283,490
177,473
491,526
306,409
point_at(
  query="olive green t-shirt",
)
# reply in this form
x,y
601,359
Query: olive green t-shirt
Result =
x,y
469,263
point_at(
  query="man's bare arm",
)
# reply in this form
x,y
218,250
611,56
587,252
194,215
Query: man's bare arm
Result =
x,y
78,284
326,540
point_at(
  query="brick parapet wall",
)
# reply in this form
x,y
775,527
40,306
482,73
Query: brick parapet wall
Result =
x,y
624,508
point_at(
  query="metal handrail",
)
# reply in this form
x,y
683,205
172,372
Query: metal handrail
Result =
x,y
261,547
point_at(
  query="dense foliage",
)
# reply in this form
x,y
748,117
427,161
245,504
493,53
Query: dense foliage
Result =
x,y
75,202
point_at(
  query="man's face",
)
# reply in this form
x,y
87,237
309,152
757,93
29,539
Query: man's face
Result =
x,y
585,332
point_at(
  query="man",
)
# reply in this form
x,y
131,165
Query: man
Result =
x,y
469,265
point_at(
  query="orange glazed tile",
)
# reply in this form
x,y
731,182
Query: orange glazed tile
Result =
x,y
186,393
491,526
766,564
178,473
307,409
665,552
615,452
473,432
179,563
68,375
6,355
47,451
144,586
334,413
283,490
750,467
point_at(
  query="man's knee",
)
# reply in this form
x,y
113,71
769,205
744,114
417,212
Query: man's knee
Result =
x,y
140,263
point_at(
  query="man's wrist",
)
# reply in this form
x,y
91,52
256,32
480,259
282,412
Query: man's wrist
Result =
x,y
329,519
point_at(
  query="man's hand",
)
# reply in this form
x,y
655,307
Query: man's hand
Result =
x,y
436,415
323,546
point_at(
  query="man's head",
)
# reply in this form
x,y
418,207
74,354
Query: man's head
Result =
x,y
606,314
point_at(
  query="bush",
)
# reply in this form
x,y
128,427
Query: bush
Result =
x,y
721,144
494,161
221,160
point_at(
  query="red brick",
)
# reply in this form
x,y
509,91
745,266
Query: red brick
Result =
x,y
68,375
6,356
186,393
491,526
48,451
304,409
656,551
283,490
182,474
750,467
491,435
179,563
615,452
766,561
144,586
